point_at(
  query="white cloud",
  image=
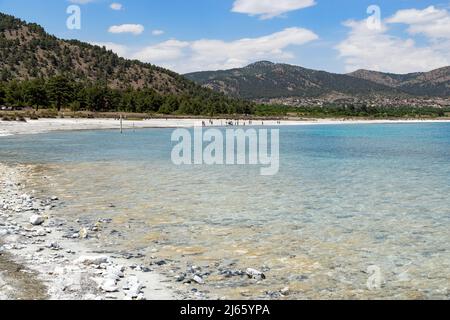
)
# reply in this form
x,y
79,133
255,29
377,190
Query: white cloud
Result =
x,y
268,9
377,49
157,32
119,49
166,51
432,22
135,29
116,6
208,54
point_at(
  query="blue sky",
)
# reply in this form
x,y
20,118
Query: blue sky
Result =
x,y
193,35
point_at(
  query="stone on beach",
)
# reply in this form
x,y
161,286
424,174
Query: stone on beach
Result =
x,y
106,285
133,288
114,272
109,285
36,220
94,260
54,246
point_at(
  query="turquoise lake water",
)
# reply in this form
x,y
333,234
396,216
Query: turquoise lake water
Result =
x,y
346,197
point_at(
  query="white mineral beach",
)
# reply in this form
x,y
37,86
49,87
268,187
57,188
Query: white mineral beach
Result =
x,y
48,125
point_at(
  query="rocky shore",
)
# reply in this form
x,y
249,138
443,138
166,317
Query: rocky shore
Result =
x,y
46,256
40,260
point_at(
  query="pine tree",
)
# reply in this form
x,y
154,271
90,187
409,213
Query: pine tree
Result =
x,y
59,91
2,93
35,94
14,94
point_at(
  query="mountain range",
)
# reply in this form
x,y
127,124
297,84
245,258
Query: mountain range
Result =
x,y
267,80
434,83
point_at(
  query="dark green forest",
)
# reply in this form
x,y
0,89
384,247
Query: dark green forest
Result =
x,y
60,92
349,111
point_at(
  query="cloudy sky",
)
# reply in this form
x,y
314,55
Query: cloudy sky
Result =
x,y
398,36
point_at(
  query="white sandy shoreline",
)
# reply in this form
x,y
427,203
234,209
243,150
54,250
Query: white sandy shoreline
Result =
x,y
8,128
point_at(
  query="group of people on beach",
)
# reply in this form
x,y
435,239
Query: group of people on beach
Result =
x,y
232,122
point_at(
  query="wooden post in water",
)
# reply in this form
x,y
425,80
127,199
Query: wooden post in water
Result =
x,y
121,124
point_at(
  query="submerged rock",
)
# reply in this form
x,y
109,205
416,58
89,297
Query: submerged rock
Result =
x,y
285,291
83,234
255,274
180,278
194,269
198,279
161,263
232,273
4,233
140,268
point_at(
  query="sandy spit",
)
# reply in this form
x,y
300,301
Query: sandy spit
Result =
x,y
48,125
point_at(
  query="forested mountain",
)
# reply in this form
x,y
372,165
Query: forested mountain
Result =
x,y
39,69
269,80
433,83
27,51
265,80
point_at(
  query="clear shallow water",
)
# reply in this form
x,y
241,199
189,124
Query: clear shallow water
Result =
x,y
347,197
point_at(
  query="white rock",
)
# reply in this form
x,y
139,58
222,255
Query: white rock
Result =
x,y
131,281
41,232
255,274
198,279
285,291
114,272
109,285
36,220
133,288
95,260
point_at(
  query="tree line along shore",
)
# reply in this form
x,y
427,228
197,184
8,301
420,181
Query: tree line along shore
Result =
x,y
60,96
